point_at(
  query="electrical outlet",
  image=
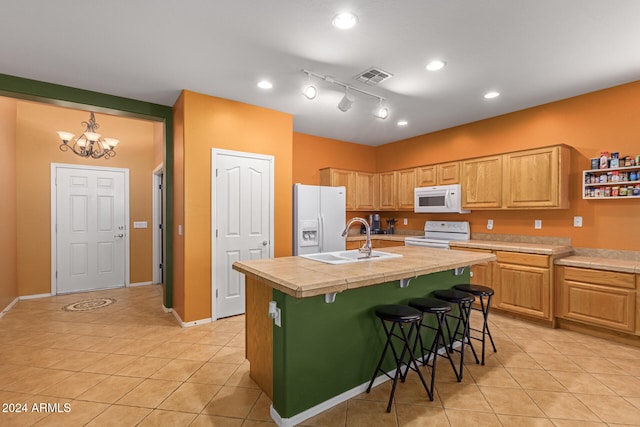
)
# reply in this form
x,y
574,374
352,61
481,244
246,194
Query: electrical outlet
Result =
x,y
577,221
490,224
405,221
537,224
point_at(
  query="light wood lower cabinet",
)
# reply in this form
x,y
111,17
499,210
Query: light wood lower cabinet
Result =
x,y
523,282
597,297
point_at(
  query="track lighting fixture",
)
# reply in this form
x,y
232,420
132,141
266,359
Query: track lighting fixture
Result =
x,y
381,112
310,91
347,101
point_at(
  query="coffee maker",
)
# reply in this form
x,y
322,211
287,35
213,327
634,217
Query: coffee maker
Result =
x,y
374,222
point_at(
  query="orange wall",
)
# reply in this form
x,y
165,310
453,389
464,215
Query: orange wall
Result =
x,y
209,122
8,211
178,207
37,148
607,120
312,153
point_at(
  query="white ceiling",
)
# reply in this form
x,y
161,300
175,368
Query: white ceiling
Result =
x,y
532,51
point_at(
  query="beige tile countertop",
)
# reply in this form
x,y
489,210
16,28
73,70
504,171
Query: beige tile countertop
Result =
x,y
529,248
303,278
598,263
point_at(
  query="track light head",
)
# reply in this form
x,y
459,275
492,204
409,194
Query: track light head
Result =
x,y
310,92
381,112
345,103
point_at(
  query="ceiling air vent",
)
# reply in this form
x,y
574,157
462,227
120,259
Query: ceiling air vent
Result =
x,y
373,76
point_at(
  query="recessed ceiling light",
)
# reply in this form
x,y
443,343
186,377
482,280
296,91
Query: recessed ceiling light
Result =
x,y
436,65
491,95
265,84
403,123
345,20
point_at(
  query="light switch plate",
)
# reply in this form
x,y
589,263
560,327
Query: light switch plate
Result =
x,y
537,224
405,221
139,224
490,224
577,221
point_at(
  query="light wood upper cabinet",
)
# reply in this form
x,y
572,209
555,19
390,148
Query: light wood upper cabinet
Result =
x,y
338,178
448,173
426,176
366,191
406,183
388,191
482,183
537,178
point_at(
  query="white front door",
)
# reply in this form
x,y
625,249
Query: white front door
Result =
x,y
91,214
242,223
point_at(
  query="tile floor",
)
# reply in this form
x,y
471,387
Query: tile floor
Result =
x,y
130,364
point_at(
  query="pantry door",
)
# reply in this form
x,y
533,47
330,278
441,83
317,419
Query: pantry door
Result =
x,y
90,237
241,225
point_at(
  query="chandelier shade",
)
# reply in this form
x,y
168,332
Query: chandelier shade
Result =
x,y
90,144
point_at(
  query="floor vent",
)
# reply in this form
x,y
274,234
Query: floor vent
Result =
x,y
373,76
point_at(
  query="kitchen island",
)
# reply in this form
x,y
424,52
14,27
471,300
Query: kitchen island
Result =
x,y
329,340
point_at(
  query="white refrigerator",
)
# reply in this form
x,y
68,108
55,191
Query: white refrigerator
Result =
x,y
319,216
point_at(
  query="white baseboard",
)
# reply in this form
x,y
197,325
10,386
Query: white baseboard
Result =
x,y
336,400
140,284
189,324
7,308
36,296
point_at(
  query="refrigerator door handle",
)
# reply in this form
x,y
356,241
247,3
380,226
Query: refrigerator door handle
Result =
x,y
321,232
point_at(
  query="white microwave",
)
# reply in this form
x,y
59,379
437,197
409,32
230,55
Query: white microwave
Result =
x,y
438,199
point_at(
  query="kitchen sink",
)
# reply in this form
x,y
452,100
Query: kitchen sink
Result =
x,y
346,257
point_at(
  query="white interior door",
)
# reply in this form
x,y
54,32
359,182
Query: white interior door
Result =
x,y
242,223
91,217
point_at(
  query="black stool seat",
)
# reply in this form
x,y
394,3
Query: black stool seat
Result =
x,y
430,305
454,296
398,313
477,290
484,294
400,322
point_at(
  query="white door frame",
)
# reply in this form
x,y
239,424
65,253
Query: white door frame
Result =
x,y
54,218
158,241
214,204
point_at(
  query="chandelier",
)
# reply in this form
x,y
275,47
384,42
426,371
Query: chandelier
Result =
x,y
90,143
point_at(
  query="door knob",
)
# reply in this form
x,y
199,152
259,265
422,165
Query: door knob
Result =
x,y
119,235
265,243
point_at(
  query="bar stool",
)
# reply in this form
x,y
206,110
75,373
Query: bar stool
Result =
x,y
439,309
483,293
464,301
401,317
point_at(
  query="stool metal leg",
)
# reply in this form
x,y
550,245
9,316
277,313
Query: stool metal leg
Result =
x,y
406,347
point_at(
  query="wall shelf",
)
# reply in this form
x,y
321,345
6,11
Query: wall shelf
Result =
x,y
608,183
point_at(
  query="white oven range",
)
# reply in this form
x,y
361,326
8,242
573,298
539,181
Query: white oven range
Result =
x,y
438,234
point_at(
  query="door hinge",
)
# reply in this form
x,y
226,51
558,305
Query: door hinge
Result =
x,y
216,172
159,186
216,233
160,226
160,266
216,293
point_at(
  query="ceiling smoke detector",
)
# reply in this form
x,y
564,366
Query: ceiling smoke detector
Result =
x,y
373,76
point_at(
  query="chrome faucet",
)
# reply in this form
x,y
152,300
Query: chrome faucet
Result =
x,y
366,248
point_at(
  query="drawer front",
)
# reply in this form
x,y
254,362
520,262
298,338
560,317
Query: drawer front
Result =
x,y
600,277
533,260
